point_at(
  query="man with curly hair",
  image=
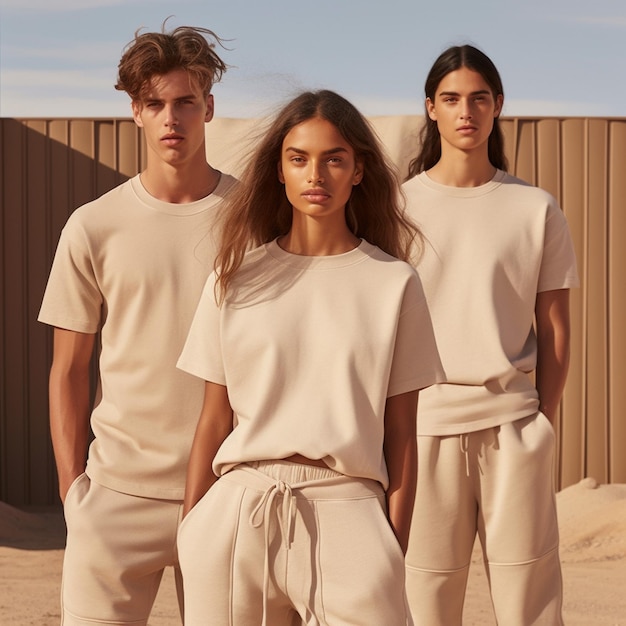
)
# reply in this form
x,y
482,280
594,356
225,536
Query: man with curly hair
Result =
x,y
129,269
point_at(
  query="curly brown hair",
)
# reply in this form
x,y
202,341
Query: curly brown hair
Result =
x,y
186,47
258,211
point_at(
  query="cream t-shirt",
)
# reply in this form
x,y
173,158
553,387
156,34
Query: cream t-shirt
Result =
x,y
489,251
309,349
133,267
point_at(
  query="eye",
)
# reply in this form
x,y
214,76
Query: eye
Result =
x,y
334,159
297,159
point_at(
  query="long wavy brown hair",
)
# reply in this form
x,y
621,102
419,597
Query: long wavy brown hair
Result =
x,y
258,211
452,59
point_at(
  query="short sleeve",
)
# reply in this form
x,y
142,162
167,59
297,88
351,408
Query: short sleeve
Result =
x,y
416,363
558,263
202,352
72,299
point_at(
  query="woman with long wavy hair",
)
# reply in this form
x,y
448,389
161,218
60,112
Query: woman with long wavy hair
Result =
x,y
314,339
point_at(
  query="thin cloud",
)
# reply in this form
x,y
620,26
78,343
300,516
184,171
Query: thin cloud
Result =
x,y
82,53
79,80
610,22
58,6
517,107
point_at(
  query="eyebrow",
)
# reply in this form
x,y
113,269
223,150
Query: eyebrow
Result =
x,y
150,98
480,92
300,151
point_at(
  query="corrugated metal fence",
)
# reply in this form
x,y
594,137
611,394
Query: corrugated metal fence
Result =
x,y
49,167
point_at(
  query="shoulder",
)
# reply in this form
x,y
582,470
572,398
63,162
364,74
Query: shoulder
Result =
x,y
414,184
389,265
226,185
100,206
515,186
92,216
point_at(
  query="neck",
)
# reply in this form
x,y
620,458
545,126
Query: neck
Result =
x,y
311,237
180,185
462,169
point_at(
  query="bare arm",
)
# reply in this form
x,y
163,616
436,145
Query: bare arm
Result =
x,y
70,404
214,425
553,337
400,450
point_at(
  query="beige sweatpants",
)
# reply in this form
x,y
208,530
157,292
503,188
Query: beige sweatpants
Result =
x,y
118,546
497,483
283,544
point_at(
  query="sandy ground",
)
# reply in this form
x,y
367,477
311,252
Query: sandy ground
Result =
x,y
593,550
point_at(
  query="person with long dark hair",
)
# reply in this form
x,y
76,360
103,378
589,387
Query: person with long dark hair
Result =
x,y
314,338
497,268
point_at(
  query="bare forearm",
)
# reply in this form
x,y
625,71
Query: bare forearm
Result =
x,y
401,458
214,425
401,497
553,351
70,404
551,376
200,476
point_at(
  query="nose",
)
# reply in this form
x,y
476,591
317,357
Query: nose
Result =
x,y
171,119
315,176
466,111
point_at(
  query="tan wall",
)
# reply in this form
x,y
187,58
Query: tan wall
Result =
x,y
49,167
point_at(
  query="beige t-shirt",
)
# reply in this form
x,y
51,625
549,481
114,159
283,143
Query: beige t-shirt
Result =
x,y
309,349
133,267
489,251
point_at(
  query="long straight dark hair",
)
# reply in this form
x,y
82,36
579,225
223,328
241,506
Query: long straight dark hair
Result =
x,y
450,60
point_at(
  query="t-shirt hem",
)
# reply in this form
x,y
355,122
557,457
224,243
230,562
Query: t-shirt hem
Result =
x,y
189,368
569,283
482,423
135,489
414,384
69,324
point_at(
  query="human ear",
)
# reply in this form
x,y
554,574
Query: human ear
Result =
x,y
498,105
430,108
136,107
210,108
279,168
358,174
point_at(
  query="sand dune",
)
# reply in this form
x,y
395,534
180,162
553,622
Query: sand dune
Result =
x,y
593,550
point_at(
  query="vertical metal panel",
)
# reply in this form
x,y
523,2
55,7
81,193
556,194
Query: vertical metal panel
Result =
x,y
523,161
35,273
562,170
49,167
617,299
14,422
595,291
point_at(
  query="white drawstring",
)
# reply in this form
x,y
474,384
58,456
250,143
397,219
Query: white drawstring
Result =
x,y
464,445
261,515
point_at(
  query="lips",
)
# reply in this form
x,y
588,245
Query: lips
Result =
x,y
171,139
316,195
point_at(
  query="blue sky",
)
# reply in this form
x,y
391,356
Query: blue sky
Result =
x,y
58,58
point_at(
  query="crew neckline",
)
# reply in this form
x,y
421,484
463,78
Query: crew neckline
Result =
x,y
300,261
463,192
172,208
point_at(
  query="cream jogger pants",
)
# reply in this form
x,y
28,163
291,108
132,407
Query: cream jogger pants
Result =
x,y
498,483
284,543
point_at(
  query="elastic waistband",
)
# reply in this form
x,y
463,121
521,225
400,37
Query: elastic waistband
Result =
x,y
323,485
